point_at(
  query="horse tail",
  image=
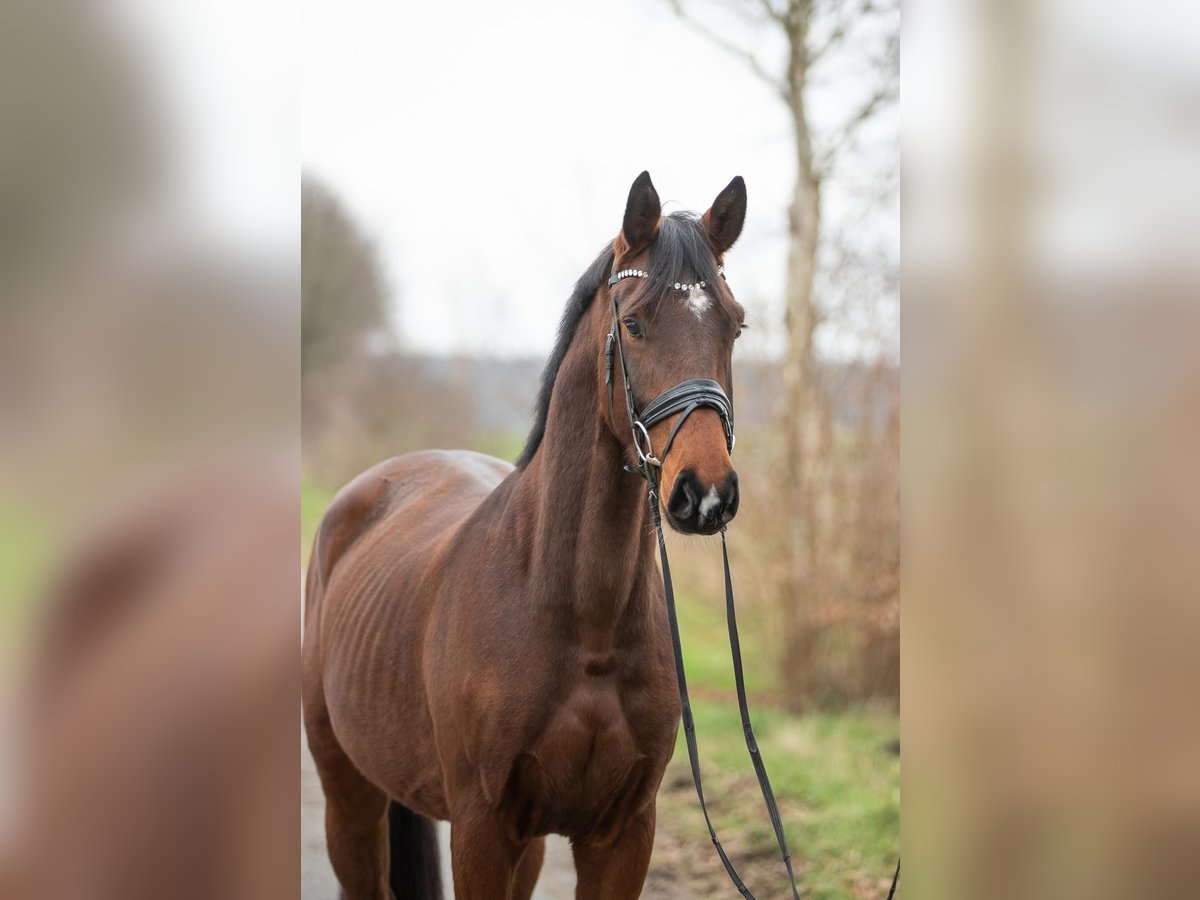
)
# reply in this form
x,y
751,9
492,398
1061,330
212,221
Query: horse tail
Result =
x,y
416,872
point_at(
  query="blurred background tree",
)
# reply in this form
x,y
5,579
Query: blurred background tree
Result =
x,y
342,291
838,586
364,396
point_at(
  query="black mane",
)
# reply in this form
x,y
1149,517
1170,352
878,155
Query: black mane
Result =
x,y
581,298
680,252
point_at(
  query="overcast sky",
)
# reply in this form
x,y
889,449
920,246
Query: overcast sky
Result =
x,y
486,148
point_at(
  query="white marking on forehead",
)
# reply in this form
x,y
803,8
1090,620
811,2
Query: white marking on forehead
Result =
x,y
697,301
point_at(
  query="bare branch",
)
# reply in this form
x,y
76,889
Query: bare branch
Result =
x,y
836,36
884,95
772,13
729,46
852,15
887,91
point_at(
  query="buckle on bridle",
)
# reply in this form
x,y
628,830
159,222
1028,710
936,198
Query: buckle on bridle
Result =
x,y
647,455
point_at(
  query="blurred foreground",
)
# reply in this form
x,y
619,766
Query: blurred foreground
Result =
x,y
148,463
156,752
1051,439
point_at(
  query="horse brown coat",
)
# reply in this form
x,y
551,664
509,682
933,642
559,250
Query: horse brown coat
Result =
x,y
488,644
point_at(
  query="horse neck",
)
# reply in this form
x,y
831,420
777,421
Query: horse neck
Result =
x,y
589,540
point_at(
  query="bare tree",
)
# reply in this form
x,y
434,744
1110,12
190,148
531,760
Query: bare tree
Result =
x,y
862,36
361,403
343,297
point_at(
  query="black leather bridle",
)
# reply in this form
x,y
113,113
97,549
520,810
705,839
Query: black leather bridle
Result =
x,y
685,398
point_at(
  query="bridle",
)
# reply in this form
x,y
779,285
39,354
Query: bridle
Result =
x,y
685,398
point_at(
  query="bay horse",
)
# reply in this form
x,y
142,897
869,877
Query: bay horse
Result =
x,y
488,644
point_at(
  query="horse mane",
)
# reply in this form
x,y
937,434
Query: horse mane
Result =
x,y
680,250
581,298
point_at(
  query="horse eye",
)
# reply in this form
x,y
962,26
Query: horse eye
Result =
x,y
634,328
741,328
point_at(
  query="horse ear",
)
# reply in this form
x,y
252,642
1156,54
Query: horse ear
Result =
x,y
724,220
642,212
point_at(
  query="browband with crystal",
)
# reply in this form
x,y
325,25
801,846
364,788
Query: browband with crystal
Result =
x,y
641,273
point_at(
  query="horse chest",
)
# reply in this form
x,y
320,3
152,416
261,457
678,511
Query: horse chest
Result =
x,y
588,767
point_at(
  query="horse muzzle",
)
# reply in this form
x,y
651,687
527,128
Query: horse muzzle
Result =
x,y
695,507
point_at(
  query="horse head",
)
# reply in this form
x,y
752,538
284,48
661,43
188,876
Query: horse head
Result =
x,y
675,321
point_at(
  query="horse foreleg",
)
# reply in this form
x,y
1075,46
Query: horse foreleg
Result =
x,y
528,869
356,834
616,871
484,859
357,839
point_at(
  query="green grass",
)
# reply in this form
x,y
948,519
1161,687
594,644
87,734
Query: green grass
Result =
x,y
25,552
500,444
836,780
703,632
313,501
835,775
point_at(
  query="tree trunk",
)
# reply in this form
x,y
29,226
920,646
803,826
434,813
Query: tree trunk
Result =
x,y
800,415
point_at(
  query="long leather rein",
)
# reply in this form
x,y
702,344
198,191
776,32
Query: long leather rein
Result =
x,y
685,398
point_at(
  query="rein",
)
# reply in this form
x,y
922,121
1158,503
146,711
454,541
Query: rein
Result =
x,y
686,397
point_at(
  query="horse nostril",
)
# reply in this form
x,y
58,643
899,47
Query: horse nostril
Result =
x,y
722,502
684,498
